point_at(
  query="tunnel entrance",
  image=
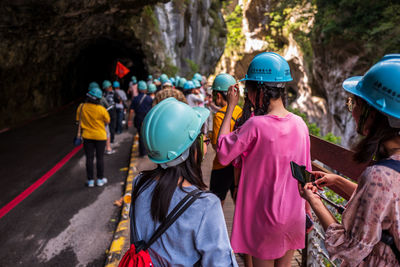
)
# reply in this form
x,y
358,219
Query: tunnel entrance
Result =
x,y
97,62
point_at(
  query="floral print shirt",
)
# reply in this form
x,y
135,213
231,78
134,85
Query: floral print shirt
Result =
x,y
373,207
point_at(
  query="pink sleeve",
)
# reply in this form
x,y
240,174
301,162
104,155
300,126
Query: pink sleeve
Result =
x,y
361,229
232,145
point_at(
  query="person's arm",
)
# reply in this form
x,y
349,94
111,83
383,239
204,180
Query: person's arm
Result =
x,y
370,208
212,240
340,185
217,120
233,99
325,217
106,116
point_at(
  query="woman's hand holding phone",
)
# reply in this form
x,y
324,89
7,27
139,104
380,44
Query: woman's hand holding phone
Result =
x,y
308,192
324,179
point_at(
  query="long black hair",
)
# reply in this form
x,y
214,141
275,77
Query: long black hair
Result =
x,y
372,145
168,179
269,92
93,100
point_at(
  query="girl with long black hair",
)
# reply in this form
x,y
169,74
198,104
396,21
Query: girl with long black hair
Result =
x,y
172,135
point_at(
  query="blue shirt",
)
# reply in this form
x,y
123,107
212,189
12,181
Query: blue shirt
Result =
x,y
141,109
198,234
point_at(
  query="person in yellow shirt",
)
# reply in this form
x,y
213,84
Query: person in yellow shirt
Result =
x,y
222,177
92,117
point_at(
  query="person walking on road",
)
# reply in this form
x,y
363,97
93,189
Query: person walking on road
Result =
x,y
120,106
112,99
269,221
93,117
141,104
172,136
222,177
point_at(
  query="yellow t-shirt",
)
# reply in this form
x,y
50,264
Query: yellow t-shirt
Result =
x,y
93,121
217,122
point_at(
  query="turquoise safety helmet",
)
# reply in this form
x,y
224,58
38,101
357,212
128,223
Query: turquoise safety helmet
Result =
x,y
197,76
163,78
96,92
106,84
196,83
134,80
116,84
151,88
150,77
181,83
142,85
268,67
188,85
222,82
172,80
93,85
380,86
169,129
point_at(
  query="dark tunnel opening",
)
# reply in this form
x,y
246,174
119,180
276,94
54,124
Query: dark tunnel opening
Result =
x,y
97,62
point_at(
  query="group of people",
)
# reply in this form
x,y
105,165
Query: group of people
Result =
x,y
255,146
103,112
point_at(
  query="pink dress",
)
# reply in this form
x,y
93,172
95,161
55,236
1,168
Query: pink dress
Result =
x,y
374,206
270,214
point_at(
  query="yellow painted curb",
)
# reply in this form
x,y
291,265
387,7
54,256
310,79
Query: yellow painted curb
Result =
x,y
121,233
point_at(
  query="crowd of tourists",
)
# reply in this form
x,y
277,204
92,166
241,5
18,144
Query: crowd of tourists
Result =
x,y
175,221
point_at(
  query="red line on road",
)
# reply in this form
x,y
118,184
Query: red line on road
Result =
x,y
4,210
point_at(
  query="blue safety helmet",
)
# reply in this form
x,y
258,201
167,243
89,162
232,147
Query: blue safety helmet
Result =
x,y
116,84
134,80
151,88
93,85
222,82
380,86
95,92
169,129
181,83
106,84
196,83
150,77
197,76
188,85
268,67
163,78
142,85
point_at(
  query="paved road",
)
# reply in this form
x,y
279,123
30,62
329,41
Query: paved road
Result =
x,y
62,223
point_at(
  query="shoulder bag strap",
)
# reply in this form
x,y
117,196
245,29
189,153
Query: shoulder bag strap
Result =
x,y
183,205
79,123
141,100
390,163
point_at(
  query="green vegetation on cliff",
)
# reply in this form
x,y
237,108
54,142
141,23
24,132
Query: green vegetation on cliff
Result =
x,y
235,36
371,24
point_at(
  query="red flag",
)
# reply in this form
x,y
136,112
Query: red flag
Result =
x,y
121,70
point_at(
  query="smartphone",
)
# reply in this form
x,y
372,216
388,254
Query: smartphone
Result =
x,y
300,173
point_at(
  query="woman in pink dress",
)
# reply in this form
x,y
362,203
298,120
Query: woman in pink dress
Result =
x,y
373,211
269,220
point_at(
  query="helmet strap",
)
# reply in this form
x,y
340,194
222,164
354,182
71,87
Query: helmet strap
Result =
x,y
363,118
176,161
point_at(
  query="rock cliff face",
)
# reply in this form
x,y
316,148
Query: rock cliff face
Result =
x,y
298,30
51,50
